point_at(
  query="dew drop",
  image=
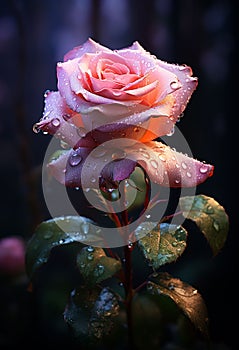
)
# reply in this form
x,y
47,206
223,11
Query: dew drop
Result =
x,y
90,256
61,241
148,216
177,181
36,128
145,155
99,270
130,244
64,145
56,122
85,227
75,159
209,209
184,165
46,93
174,85
81,132
216,225
203,169
99,152
171,286
189,174
90,249
161,157
48,235
154,164
171,132
118,155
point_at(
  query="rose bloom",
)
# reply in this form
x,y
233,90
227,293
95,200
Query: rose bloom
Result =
x,y
109,108
12,255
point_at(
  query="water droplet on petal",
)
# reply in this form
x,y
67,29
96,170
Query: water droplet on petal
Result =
x,y
118,155
145,155
184,165
154,164
171,132
174,85
75,159
36,128
56,122
81,132
46,93
203,169
161,157
189,174
99,152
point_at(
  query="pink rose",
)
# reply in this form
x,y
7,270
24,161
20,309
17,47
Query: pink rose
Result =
x,y
108,94
12,255
126,88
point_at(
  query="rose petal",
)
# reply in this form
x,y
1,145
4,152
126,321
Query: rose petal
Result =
x,y
81,168
168,167
183,73
88,167
90,46
58,120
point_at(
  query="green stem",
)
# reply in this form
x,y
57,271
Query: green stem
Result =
x,y
129,292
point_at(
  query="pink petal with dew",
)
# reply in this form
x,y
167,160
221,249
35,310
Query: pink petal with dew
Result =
x,y
136,126
79,168
184,76
58,120
168,167
164,166
90,46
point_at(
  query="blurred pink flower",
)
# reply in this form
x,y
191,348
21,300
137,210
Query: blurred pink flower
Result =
x,y
12,255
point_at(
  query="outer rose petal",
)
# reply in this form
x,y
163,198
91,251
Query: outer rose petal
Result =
x,y
67,169
183,73
90,46
58,120
168,167
163,166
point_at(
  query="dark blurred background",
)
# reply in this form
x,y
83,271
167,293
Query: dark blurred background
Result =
x,y
34,35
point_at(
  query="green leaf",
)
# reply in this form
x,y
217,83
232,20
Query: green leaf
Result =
x,y
163,244
57,232
95,266
209,216
185,296
90,313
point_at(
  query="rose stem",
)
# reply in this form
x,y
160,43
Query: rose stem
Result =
x,y
128,285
